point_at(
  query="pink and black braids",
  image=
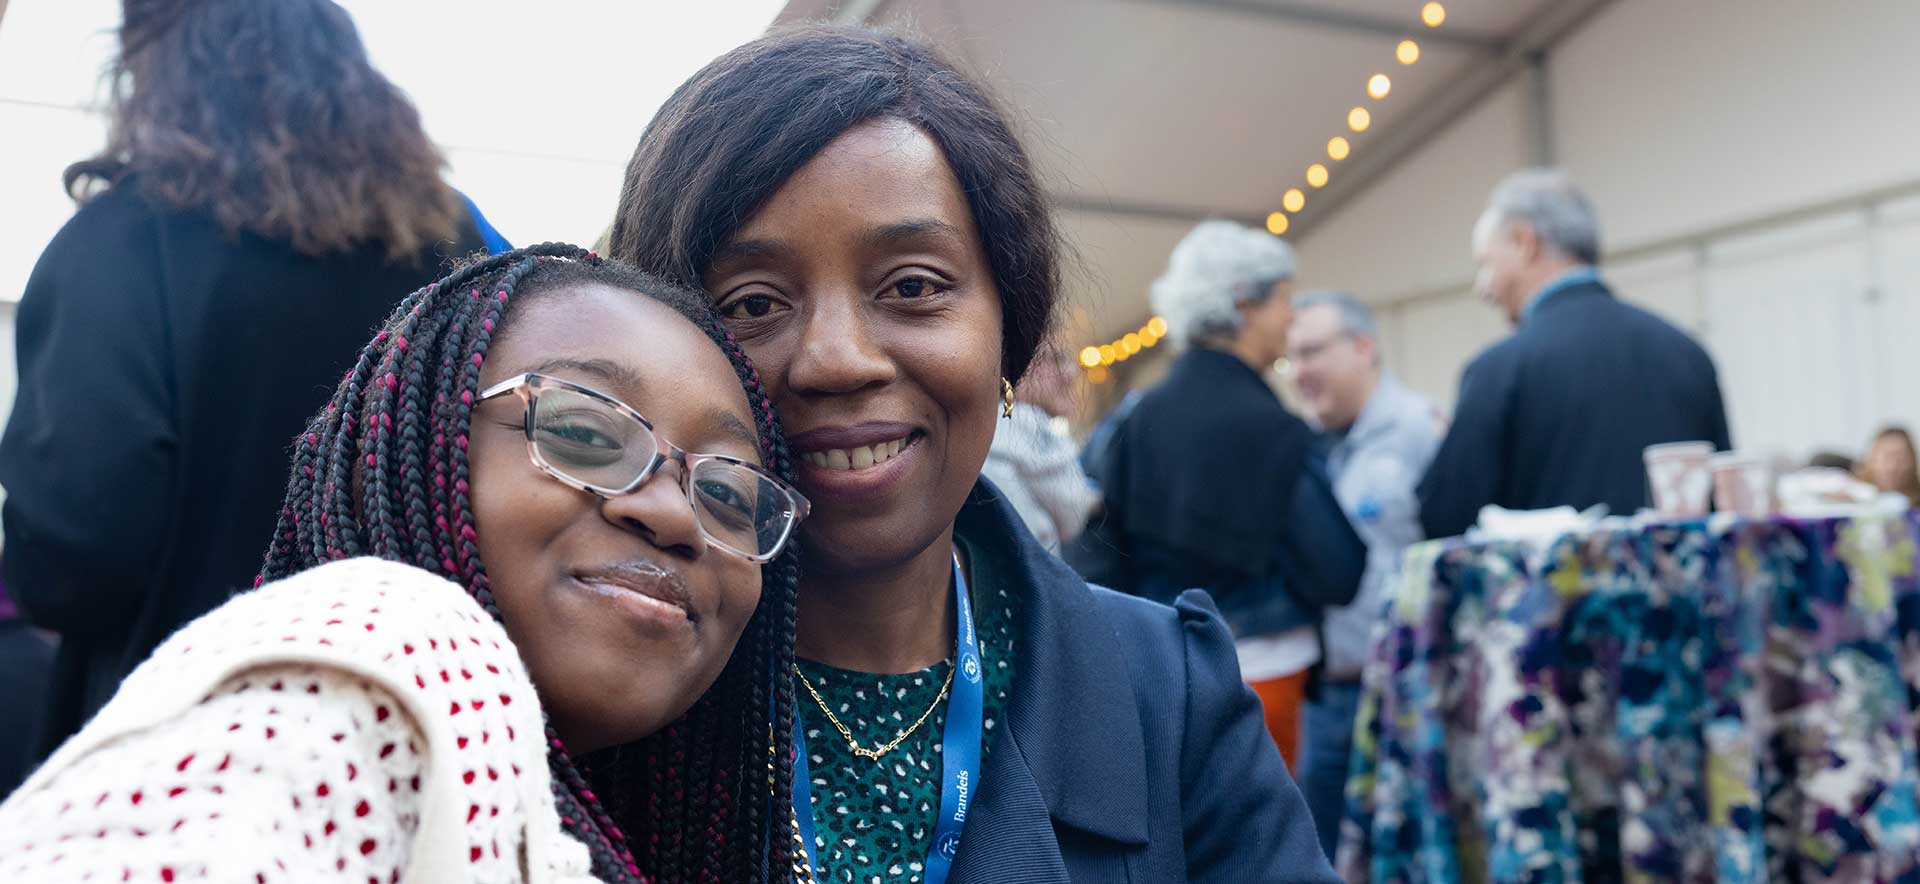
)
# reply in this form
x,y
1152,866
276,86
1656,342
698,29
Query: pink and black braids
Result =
x,y
383,471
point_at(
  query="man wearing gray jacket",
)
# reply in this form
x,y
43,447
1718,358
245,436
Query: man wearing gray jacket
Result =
x,y
1381,437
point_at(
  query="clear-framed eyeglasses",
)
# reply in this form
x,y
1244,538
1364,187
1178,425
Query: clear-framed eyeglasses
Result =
x,y
600,445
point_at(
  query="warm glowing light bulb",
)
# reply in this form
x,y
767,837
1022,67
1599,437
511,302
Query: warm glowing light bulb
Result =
x,y
1090,357
1130,343
1098,375
1293,200
1407,52
1338,148
1433,14
1159,326
1147,337
1379,85
1317,175
1108,354
1277,224
1358,119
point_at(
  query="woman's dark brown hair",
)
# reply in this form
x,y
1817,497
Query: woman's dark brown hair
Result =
x,y
731,135
269,117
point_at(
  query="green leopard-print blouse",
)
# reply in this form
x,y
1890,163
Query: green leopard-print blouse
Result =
x,y
873,820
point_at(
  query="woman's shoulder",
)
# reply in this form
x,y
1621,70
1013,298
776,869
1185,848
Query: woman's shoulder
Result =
x,y
1175,631
115,226
117,245
335,585
174,794
117,203
409,631
1203,729
1057,600
355,663
1170,647
353,606
123,214
1072,622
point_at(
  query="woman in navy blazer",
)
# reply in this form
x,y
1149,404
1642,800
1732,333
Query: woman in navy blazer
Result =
x,y
1133,751
969,709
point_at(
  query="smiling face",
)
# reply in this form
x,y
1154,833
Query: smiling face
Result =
x,y
861,291
624,612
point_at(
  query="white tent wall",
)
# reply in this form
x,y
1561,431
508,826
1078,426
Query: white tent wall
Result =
x,y
1756,165
1756,168
553,175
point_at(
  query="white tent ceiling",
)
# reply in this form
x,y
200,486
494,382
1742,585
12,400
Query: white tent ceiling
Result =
x,y
1149,115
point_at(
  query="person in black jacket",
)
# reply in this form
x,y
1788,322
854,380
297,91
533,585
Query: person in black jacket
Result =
x,y
1559,413
26,656
264,199
1212,484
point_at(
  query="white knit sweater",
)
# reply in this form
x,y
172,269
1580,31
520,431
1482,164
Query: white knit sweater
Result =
x,y
362,721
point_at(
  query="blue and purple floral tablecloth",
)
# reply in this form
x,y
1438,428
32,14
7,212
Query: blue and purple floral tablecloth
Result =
x,y
1725,702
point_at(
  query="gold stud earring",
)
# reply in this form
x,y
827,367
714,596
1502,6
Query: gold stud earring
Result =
x,y
1006,398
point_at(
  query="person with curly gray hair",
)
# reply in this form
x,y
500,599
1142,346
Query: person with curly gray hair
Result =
x,y
1211,483
1229,287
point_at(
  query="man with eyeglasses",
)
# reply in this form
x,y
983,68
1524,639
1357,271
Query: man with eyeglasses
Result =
x,y
1381,436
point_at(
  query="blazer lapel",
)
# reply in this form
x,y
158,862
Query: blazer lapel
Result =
x,y
1072,752
1009,835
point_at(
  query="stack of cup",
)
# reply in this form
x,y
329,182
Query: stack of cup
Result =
x,y
1742,484
1681,476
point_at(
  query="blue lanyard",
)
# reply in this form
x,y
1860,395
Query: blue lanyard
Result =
x,y
960,751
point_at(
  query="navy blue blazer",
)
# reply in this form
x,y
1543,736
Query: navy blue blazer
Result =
x,y
1559,413
1132,751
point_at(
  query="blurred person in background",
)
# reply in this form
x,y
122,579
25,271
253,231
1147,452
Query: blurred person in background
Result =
x,y
26,656
1212,484
1559,413
1891,465
1032,460
1096,550
1382,437
264,198
1093,455
1833,460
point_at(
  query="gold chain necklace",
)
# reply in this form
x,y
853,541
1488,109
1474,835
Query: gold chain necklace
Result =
x,y
802,861
802,855
854,745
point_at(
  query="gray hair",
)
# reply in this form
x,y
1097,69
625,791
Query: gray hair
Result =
x,y
1547,201
1355,318
1215,269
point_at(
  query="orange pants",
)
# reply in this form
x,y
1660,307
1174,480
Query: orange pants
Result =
x,y
1281,700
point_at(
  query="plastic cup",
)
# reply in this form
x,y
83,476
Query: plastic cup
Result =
x,y
1742,484
1681,476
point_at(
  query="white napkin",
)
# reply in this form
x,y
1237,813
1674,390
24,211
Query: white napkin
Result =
x,y
1817,493
1536,527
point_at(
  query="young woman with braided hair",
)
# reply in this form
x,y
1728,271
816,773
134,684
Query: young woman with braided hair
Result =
x,y
498,581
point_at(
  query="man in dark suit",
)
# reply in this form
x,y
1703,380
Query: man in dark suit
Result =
x,y
1559,412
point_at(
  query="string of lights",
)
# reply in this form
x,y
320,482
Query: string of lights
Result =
x,y
1097,359
1359,119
